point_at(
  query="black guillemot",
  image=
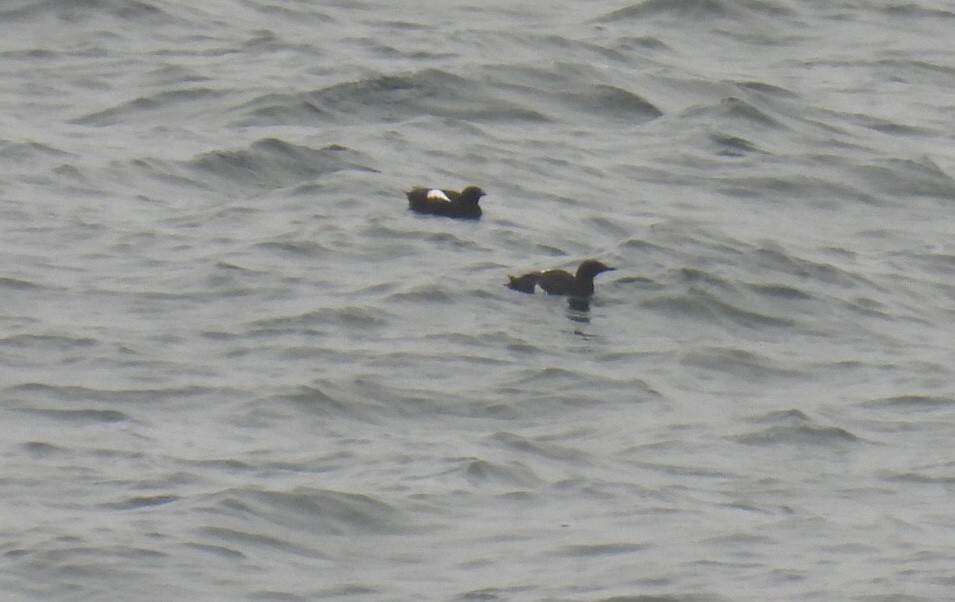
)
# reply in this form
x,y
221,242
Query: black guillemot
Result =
x,y
448,203
559,282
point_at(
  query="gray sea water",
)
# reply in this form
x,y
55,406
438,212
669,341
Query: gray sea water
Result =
x,y
234,366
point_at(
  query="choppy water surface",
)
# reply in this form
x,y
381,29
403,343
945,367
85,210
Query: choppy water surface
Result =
x,y
235,367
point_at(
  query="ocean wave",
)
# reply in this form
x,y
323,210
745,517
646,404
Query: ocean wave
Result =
x,y
304,511
612,102
732,109
321,400
908,178
18,284
79,11
485,473
30,152
78,394
711,298
273,163
433,92
754,367
794,427
158,106
697,9
141,501
909,403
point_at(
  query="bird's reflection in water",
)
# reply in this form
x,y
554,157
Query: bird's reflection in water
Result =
x,y
578,309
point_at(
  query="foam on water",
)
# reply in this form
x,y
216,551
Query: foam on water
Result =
x,y
235,365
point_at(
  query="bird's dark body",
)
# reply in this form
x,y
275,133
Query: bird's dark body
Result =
x,y
446,203
559,282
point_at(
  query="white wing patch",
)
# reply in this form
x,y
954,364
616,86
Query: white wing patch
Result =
x,y
436,194
538,289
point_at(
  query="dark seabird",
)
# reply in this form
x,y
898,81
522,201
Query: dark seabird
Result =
x,y
559,282
449,203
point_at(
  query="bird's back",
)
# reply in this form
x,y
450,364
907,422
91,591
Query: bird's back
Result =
x,y
557,282
525,284
447,203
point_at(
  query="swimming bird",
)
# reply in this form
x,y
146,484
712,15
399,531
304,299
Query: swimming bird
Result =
x,y
449,203
559,282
